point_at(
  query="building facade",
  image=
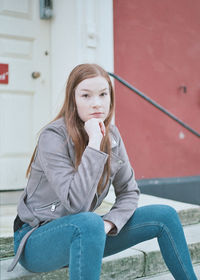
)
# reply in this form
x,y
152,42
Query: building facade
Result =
x,y
154,45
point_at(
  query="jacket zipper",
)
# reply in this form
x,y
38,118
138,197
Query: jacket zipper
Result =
x,y
52,206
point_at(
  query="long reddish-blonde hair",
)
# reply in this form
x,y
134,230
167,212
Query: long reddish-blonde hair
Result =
x,y
75,126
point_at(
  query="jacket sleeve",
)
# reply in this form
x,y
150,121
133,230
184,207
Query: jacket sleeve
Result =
x,y
126,191
74,188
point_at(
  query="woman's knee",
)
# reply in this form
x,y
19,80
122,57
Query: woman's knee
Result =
x,y
167,211
91,228
157,212
166,214
85,222
92,222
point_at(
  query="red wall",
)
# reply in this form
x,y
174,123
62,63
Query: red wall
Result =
x,y
157,50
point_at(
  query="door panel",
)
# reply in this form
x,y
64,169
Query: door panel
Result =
x,y
24,101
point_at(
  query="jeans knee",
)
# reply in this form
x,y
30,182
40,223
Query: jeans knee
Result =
x,y
168,214
92,223
168,210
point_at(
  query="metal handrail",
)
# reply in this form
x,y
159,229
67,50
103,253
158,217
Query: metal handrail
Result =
x,y
155,104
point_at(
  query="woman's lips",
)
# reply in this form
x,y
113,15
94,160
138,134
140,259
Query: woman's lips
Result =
x,y
97,115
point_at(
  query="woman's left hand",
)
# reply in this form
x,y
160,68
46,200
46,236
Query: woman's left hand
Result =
x,y
108,226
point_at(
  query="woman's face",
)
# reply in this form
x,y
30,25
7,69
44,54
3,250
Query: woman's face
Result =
x,y
92,98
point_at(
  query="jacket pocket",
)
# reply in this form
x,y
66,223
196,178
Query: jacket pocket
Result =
x,y
50,207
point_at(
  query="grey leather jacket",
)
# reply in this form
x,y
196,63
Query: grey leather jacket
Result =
x,y
56,189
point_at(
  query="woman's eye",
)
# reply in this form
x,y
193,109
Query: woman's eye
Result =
x,y
85,95
103,93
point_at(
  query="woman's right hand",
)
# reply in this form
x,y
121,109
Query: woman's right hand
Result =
x,y
95,129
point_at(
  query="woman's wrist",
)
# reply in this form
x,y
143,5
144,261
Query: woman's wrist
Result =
x,y
94,143
108,226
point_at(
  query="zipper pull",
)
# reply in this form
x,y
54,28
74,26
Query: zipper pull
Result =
x,y
53,207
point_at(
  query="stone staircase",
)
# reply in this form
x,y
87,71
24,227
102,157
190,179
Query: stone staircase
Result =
x,y
143,261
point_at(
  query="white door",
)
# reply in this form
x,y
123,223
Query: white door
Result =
x,y
24,101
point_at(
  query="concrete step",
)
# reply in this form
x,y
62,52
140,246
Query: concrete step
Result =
x,y
142,260
188,213
168,276
154,260
21,274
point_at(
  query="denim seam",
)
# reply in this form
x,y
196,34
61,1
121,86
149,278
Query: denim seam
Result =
x,y
175,249
80,255
164,227
80,252
140,225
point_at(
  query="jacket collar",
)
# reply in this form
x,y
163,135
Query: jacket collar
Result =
x,y
113,142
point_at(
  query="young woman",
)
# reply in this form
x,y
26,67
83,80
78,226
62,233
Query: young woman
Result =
x,y
78,156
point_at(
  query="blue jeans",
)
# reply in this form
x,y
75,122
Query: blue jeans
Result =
x,y
79,241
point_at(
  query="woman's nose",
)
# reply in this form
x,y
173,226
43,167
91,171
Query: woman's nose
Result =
x,y
96,102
